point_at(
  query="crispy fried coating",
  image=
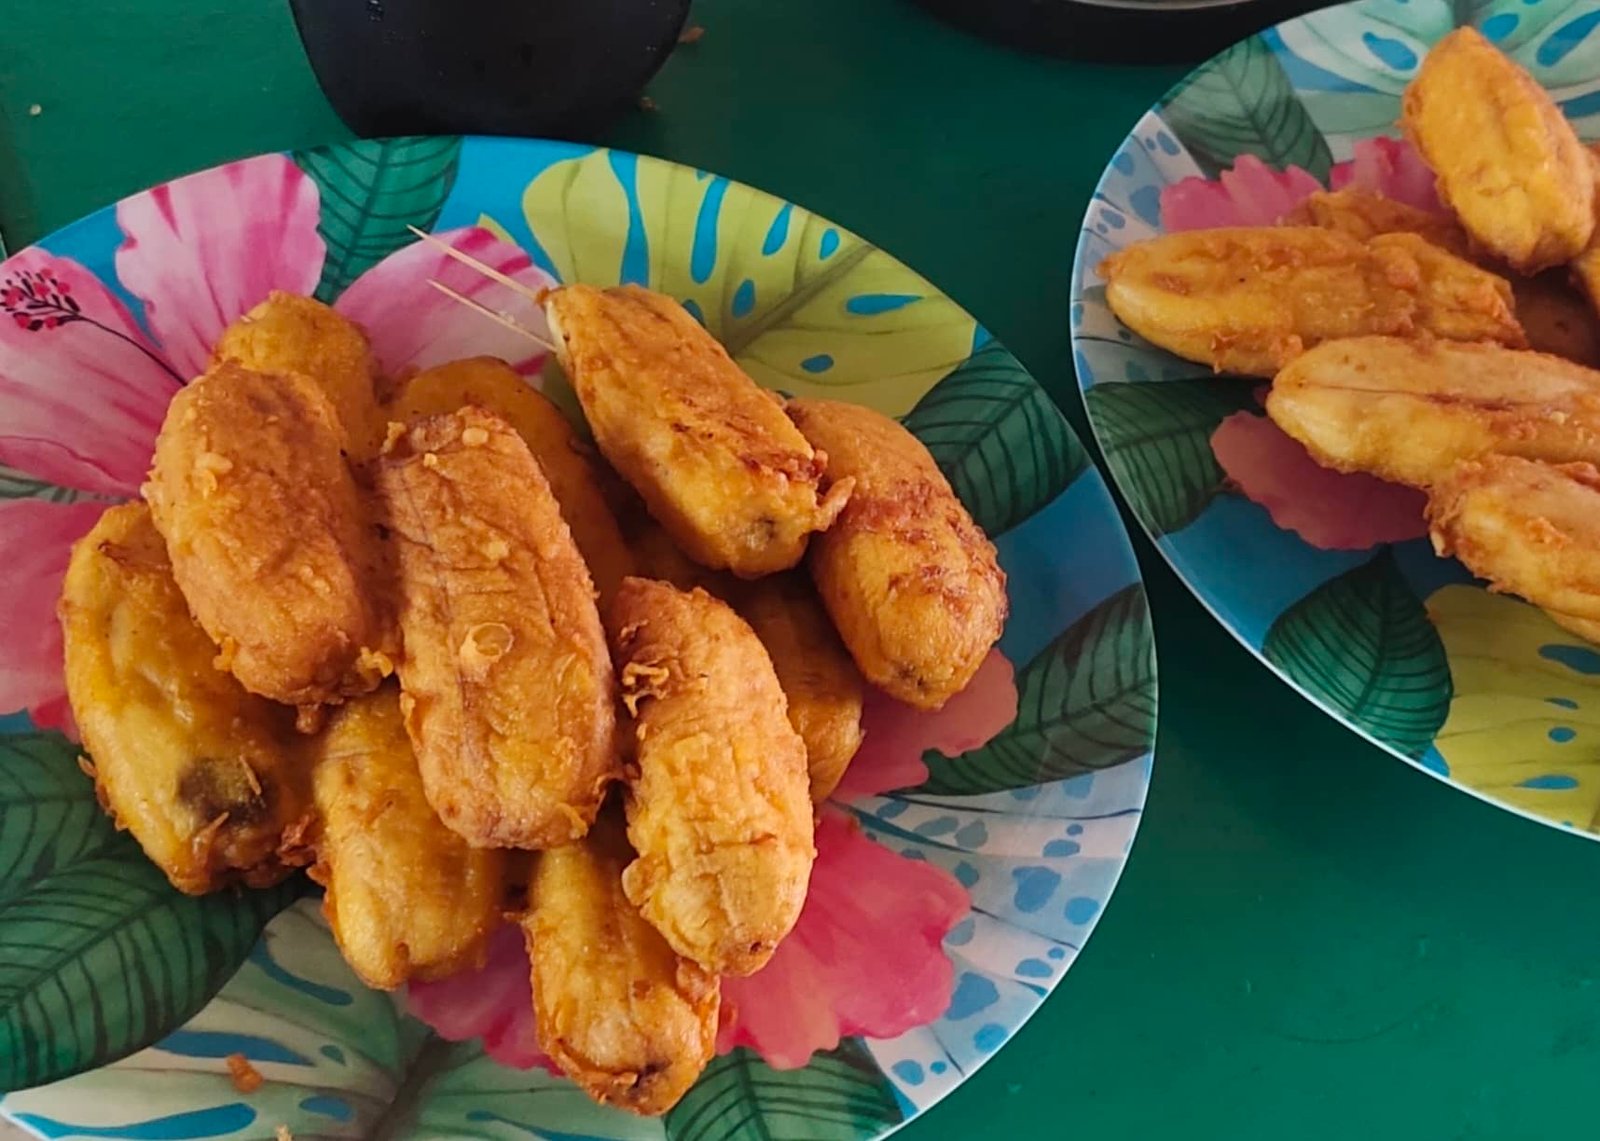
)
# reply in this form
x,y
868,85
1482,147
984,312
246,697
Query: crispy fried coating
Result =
x,y
912,583
1554,316
720,808
204,774
270,538
1506,159
616,1008
1409,411
1250,299
1529,528
509,692
291,333
406,897
713,456
568,464
819,678
1557,318
1363,215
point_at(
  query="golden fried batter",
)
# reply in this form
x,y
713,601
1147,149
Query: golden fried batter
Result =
x,y
1557,318
1554,316
407,898
1250,299
912,583
509,692
494,386
269,535
1362,215
291,333
716,460
1507,161
616,1008
1408,411
820,680
720,809
1529,528
203,774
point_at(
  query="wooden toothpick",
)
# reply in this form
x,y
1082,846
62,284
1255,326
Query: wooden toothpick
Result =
x,y
493,315
534,295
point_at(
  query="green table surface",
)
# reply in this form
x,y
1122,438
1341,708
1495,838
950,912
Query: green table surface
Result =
x,y
1312,940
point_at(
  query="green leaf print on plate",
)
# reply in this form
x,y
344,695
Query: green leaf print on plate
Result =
x,y
998,438
1525,718
1087,702
803,305
1374,49
99,955
840,1096
469,1096
338,1060
371,190
333,1056
18,485
1241,103
1157,441
1362,644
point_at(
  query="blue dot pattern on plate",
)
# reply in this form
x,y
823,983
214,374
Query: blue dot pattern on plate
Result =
x,y
744,299
1582,659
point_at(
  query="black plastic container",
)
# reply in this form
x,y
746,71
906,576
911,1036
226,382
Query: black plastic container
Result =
x,y
1119,31
558,68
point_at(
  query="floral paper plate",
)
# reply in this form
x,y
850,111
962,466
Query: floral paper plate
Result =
x,y
1330,579
960,868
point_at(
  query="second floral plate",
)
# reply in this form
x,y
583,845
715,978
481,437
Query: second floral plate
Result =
x,y
1331,579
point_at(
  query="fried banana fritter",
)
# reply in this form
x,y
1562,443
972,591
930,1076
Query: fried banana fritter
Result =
x,y
1363,215
713,456
1557,318
407,898
205,775
1409,411
1250,299
913,584
493,385
1507,161
1529,528
509,692
291,333
820,680
1554,317
616,1008
270,538
720,808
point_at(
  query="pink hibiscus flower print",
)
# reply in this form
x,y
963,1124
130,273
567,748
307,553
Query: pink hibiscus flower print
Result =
x,y
1328,509
867,954
84,383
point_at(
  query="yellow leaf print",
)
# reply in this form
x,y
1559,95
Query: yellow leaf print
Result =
x,y
803,305
1524,725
